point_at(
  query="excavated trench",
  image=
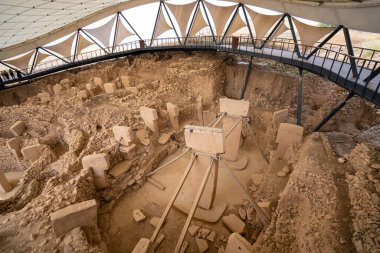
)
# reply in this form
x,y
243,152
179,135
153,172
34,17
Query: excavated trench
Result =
x,y
322,196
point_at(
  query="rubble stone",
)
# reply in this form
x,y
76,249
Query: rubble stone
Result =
x,y
18,128
233,223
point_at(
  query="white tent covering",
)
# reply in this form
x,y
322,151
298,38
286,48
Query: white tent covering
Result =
x,y
22,62
220,15
199,23
280,30
103,32
122,32
41,57
237,24
182,14
64,47
309,35
262,23
82,43
161,26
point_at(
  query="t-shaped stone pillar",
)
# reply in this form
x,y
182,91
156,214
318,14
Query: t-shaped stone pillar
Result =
x,y
99,163
123,134
209,141
5,186
150,118
234,109
32,153
173,115
280,117
286,135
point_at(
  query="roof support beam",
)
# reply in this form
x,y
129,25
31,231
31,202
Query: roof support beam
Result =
x,y
236,12
208,21
196,11
171,22
76,45
350,51
116,28
8,66
372,75
332,34
53,54
34,61
94,41
296,47
155,24
247,22
133,29
273,31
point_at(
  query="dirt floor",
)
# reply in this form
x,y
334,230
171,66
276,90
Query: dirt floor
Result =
x,y
322,196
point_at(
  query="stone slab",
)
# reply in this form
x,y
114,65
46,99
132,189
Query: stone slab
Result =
x,y
234,223
5,186
15,145
238,244
234,107
204,139
110,87
18,128
99,163
123,134
32,153
232,141
83,214
286,135
280,117
150,118
143,246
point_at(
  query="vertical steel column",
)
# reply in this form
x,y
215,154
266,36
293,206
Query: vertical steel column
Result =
x,y
116,29
333,112
196,11
350,51
247,21
76,46
296,47
34,61
230,24
246,78
170,19
208,21
299,97
155,24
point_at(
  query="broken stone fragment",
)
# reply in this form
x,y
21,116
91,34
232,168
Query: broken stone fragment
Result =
x,y
237,243
204,232
264,204
242,213
44,97
164,138
341,160
82,95
57,89
143,136
17,129
155,221
132,90
193,229
5,186
138,215
211,236
284,172
202,245
233,223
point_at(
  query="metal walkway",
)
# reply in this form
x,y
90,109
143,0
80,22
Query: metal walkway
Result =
x,y
332,64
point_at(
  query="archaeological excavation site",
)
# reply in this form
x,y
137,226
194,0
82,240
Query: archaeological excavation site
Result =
x,y
148,126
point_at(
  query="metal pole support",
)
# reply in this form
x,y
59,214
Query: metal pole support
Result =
x,y
333,112
299,97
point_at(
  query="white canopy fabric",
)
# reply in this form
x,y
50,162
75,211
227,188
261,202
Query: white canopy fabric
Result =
x,y
103,32
237,24
309,35
220,15
280,30
122,33
22,62
262,23
82,43
199,23
41,57
182,14
162,25
64,47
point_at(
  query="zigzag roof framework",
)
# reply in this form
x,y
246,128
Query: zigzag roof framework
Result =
x,y
187,20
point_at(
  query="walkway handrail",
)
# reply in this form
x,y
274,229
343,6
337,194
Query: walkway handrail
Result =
x,y
275,49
